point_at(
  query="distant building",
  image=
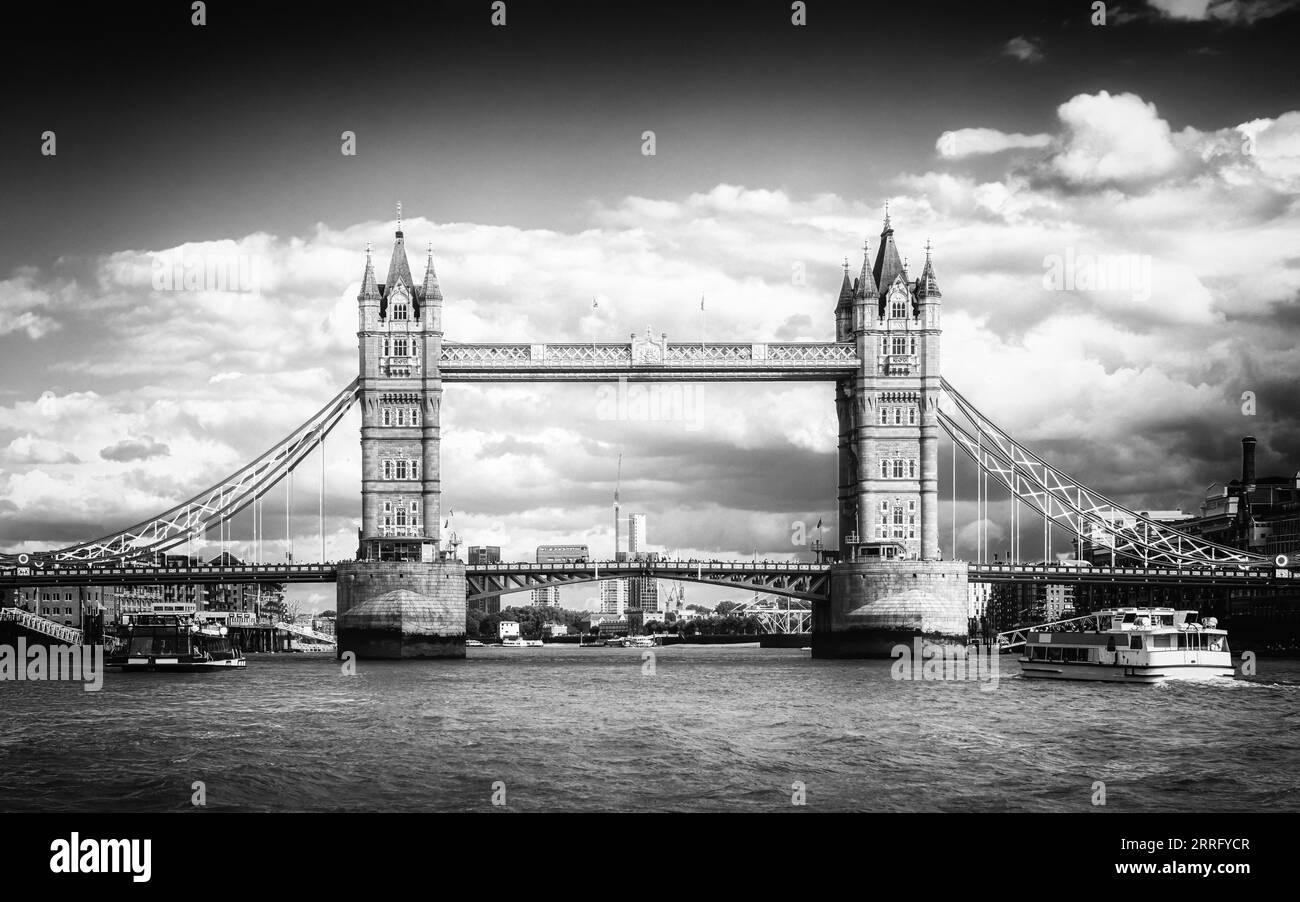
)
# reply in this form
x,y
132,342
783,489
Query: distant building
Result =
x,y
1099,543
613,596
636,534
547,596
508,629
551,630
484,554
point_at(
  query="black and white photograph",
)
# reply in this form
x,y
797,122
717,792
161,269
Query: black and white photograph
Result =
x,y
880,412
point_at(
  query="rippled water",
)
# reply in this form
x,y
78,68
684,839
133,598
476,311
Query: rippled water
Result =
x,y
713,728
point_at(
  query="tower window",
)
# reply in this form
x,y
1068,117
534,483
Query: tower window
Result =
x,y
401,516
884,469
898,309
911,469
900,345
415,469
898,416
387,416
911,416
415,416
898,469
401,416
388,347
401,469
399,347
401,312
884,416
388,506
913,345
388,469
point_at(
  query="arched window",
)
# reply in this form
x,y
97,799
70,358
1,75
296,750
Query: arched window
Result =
x,y
911,416
898,416
415,469
401,469
913,344
401,516
388,507
388,469
911,527
884,469
911,469
899,309
401,416
884,416
388,347
900,345
399,347
415,416
898,469
387,416
401,312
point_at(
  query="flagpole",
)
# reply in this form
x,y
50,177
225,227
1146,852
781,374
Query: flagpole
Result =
x,y
701,322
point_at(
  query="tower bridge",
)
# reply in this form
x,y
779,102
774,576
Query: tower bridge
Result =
x,y
405,594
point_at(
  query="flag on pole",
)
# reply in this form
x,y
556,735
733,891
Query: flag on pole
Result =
x,y
819,522
594,305
701,300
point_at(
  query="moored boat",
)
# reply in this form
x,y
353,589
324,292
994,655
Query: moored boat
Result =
x,y
176,643
1129,645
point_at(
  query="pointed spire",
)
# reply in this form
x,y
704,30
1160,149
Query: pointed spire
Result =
x,y
888,265
846,288
369,288
928,285
399,219
431,290
399,271
866,285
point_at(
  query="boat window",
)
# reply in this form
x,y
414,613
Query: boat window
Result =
x,y
1182,640
1110,643
1164,641
1135,642
1130,617
1054,654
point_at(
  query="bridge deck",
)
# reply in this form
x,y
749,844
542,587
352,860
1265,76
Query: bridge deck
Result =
x,y
800,580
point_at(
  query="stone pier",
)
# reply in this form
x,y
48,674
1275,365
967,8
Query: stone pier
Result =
x,y
875,606
397,609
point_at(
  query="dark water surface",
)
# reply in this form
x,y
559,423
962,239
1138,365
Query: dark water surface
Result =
x,y
712,728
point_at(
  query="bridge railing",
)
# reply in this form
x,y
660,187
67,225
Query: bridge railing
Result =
x,y
38,624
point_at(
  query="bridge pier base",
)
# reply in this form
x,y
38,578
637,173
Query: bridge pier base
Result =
x,y
389,610
876,606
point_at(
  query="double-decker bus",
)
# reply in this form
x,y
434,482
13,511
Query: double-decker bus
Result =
x,y
562,554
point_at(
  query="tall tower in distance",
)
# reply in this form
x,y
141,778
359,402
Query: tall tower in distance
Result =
x,y
400,340
888,412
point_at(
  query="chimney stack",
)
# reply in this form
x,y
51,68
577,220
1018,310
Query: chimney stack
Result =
x,y
1248,462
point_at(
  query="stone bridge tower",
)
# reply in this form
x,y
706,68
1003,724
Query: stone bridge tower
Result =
x,y
400,338
401,598
882,596
889,442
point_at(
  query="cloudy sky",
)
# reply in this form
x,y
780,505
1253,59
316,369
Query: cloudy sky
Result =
x,y
1026,142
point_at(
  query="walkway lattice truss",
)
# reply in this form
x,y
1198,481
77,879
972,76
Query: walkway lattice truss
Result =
x,y
1066,501
807,581
218,503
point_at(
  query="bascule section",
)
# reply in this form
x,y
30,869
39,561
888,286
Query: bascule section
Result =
x,y
890,584
402,598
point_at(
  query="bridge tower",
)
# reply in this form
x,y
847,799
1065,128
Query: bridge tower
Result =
x,y
400,339
889,467
401,598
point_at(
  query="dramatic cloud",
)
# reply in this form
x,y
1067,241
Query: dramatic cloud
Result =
x,y
129,449
1113,140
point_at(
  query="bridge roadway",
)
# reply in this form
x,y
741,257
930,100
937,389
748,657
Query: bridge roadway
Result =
x,y
792,579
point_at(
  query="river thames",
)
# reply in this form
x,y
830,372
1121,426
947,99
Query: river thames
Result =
x,y
703,729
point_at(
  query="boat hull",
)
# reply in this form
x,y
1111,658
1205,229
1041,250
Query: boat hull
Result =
x,y
174,665
1121,673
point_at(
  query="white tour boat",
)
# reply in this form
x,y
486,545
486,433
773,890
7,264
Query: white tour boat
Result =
x,y
1128,645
